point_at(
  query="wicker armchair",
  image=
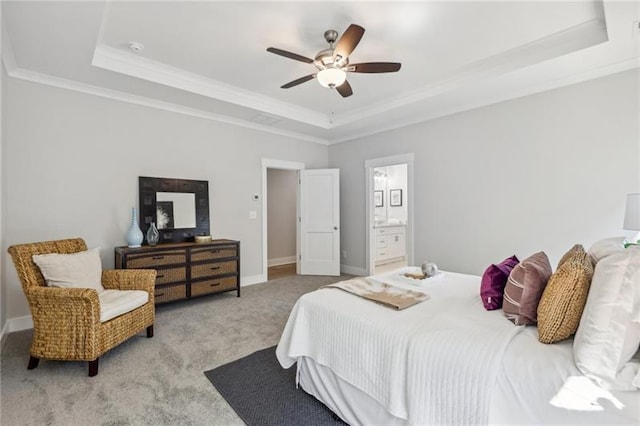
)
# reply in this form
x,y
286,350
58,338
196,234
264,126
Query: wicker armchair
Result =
x,y
66,321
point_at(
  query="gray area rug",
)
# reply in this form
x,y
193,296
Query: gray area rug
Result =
x,y
155,381
263,393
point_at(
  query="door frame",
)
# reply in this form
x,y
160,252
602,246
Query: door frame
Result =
x,y
269,163
369,165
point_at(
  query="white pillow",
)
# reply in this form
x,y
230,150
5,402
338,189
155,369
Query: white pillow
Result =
x,y
609,330
75,270
603,248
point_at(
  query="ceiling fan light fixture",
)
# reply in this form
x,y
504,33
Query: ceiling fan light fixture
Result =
x,y
331,77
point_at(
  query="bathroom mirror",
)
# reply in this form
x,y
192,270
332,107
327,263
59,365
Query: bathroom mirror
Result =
x,y
178,207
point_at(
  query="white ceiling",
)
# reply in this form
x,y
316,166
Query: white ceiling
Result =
x,y
209,59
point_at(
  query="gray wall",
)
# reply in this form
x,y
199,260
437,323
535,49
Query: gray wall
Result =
x,y
538,173
71,161
3,254
281,213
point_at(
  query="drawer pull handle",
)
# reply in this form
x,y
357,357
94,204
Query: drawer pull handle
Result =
x,y
160,276
214,268
157,257
159,294
215,251
214,284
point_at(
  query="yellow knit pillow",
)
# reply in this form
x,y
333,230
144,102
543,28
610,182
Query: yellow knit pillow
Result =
x,y
564,298
571,254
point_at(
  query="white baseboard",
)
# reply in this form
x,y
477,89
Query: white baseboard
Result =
x,y
3,335
16,324
252,279
25,322
353,270
281,261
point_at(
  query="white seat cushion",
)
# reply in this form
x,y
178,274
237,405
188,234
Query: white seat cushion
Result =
x,y
117,302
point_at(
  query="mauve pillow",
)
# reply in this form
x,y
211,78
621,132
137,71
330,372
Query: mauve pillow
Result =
x,y
524,289
493,281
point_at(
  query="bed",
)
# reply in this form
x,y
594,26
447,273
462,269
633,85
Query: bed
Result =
x,y
445,360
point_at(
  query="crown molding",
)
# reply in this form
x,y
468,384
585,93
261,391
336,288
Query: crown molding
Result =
x,y
89,89
9,61
122,62
564,42
489,96
547,48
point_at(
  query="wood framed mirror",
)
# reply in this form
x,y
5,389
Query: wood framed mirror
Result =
x,y
178,207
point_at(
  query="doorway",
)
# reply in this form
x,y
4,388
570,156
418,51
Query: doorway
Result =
x,y
281,222
389,214
272,168
317,219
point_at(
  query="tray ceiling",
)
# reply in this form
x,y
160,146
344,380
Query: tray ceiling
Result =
x,y
209,59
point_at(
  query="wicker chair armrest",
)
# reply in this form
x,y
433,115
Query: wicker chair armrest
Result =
x,y
129,279
61,304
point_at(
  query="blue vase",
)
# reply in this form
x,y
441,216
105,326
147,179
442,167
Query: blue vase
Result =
x,y
134,234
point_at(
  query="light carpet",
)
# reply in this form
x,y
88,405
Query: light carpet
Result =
x,y
155,381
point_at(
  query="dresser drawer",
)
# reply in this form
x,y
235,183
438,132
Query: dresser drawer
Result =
x,y
213,268
152,260
214,285
381,242
198,254
171,275
170,293
186,269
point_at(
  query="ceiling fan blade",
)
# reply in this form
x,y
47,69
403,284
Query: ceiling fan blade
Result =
x,y
345,89
374,67
348,41
290,55
298,81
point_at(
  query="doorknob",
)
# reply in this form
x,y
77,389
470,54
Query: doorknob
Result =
x,y
335,228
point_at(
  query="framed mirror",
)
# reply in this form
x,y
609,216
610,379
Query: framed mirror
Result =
x,y
179,207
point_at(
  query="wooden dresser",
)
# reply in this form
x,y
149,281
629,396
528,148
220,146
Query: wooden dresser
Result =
x,y
186,270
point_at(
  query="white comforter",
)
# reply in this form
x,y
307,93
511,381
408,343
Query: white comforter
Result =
x,y
435,362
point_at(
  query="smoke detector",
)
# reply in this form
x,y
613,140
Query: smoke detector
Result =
x,y
136,47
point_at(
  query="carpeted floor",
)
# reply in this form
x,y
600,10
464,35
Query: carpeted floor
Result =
x,y
155,381
263,393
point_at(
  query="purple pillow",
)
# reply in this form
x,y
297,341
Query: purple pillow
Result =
x,y
493,281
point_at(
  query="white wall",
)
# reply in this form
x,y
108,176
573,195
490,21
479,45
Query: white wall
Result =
x,y
538,173
71,164
281,215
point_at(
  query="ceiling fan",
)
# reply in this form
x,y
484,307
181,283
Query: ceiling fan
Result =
x,y
333,63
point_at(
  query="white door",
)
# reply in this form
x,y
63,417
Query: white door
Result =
x,y
319,220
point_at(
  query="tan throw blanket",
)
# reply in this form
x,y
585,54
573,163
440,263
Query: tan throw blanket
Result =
x,y
382,293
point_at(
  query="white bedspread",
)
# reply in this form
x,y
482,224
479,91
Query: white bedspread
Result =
x,y
452,345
